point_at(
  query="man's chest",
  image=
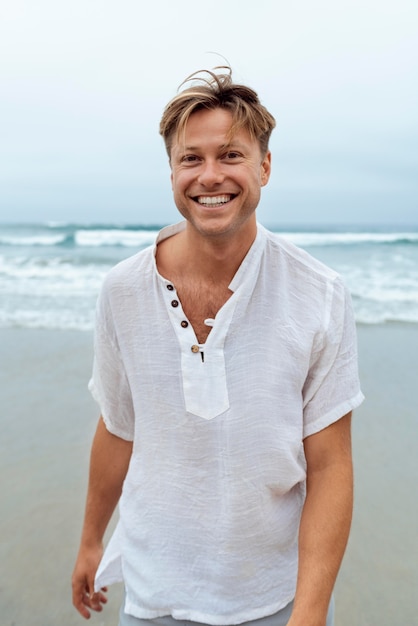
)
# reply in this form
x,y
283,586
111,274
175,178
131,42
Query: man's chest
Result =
x,y
201,302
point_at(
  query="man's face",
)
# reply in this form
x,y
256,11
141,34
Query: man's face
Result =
x,y
216,184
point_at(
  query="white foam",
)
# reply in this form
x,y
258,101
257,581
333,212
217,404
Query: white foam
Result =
x,y
66,319
331,239
32,240
44,276
114,237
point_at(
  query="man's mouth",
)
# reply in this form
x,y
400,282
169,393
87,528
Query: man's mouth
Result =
x,y
214,201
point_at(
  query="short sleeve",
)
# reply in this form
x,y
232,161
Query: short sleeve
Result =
x,y
109,385
332,387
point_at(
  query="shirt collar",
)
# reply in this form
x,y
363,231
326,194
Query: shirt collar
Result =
x,y
247,271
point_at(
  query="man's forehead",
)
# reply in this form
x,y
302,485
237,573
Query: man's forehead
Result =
x,y
223,140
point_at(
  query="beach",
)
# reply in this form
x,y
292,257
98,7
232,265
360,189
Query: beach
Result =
x,y
48,420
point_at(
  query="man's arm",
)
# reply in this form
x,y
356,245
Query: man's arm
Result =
x,y
110,456
325,522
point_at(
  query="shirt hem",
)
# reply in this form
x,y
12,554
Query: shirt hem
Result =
x,y
334,415
122,434
207,618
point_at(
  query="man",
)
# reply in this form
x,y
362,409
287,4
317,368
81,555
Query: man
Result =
x,y
226,372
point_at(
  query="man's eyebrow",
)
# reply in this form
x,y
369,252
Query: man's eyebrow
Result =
x,y
223,146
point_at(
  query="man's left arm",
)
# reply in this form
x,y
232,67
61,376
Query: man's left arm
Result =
x,y
325,522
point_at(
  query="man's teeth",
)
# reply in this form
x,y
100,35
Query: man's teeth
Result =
x,y
213,200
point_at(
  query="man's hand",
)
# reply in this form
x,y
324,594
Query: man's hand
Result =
x,y
84,597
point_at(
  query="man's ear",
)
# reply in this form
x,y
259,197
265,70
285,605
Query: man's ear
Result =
x,y
265,169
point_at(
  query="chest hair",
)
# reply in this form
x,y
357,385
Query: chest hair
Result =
x,y
201,301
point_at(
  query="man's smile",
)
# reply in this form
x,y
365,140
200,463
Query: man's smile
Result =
x,y
214,201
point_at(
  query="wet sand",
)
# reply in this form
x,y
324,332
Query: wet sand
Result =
x,y
48,420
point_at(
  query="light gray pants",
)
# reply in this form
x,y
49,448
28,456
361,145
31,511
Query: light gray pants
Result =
x,y
278,619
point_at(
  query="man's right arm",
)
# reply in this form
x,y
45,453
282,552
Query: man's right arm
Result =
x,y
109,461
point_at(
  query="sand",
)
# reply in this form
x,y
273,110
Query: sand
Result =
x,y
47,423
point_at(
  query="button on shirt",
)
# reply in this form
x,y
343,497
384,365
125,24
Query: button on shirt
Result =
x,y
212,499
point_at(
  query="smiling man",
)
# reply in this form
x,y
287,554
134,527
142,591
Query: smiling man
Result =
x,y
226,373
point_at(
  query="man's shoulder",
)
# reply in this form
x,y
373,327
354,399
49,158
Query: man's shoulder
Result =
x,y
130,271
296,260
137,269
295,274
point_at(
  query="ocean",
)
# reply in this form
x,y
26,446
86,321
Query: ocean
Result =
x,y
50,274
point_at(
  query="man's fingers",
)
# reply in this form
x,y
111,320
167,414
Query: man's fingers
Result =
x,y
102,596
95,600
83,600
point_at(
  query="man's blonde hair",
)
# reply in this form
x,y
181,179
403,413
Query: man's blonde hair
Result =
x,y
213,90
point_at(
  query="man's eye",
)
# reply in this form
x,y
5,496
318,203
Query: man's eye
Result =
x,y
232,155
189,158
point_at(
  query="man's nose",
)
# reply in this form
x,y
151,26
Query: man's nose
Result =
x,y
211,173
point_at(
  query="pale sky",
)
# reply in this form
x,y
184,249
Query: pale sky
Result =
x,y
83,85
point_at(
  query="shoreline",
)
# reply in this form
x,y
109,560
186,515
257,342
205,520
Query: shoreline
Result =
x,y
48,421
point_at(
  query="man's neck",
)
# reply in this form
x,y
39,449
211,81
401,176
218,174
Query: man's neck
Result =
x,y
211,258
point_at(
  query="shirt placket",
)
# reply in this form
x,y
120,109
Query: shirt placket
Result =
x,y
203,365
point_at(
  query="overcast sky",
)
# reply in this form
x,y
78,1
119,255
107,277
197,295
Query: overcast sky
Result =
x,y
83,85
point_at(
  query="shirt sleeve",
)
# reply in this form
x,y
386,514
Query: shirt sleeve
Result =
x,y
109,384
332,387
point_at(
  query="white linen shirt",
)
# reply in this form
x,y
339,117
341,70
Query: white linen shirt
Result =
x,y
211,503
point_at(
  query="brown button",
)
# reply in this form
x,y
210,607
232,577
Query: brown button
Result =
x,y
170,287
174,303
195,348
184,324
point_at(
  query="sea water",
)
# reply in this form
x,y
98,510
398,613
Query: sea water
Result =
x,y
50,274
